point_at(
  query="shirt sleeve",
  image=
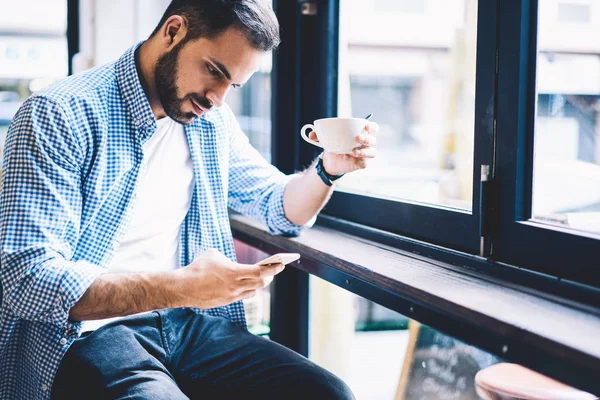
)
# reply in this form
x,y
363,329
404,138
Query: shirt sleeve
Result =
x,y
40,210
256,187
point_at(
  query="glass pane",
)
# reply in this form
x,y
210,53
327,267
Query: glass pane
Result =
x,y
412,64
382,354
566,188
252,106
33,53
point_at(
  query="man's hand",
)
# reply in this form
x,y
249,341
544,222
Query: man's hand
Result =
x,y
213,280
337,164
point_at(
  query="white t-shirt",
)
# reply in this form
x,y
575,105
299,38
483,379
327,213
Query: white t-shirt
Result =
x,y
151,242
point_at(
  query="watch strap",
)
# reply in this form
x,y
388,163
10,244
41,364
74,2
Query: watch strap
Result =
x,y
325,177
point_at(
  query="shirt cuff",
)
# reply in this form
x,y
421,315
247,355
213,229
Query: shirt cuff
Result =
x,y
77,279
278,224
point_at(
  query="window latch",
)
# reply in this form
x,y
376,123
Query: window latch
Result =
x,y
485,211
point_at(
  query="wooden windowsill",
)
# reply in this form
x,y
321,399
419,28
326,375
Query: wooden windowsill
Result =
x,y
559,339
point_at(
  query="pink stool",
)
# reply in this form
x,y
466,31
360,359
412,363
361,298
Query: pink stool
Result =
x,y
506,381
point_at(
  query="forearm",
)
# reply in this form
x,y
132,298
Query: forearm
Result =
x,y
115,295
305,195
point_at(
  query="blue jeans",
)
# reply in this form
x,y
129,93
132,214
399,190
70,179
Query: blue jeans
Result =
x,y
179,354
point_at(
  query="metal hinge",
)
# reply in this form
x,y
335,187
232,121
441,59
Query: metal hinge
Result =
x,y
308,7
485,210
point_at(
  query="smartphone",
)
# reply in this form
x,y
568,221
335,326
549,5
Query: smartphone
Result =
x,y
279,258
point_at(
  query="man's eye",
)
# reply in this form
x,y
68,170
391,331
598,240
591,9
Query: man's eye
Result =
x,y
212,70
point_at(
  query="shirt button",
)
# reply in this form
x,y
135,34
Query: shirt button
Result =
x,y
62,341
137,122
44,387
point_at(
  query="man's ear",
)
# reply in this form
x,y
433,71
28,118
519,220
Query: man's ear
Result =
x,y
173,31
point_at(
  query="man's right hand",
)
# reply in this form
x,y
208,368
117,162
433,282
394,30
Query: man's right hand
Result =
x,y
213,280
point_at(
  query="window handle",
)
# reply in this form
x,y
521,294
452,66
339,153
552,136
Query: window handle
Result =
x,y
485,211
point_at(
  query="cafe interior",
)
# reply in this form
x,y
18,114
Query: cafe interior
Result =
x,y
463,262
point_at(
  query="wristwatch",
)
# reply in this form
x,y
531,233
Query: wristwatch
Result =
x,y
325,177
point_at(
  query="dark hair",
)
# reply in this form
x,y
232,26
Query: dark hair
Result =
x,y
209,18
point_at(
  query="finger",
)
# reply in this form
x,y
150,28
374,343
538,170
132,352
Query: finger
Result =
x,y
247,284
312,135
271,270
250,284
365,152
358,162
247,294
372,127
249,271
366,139
257,272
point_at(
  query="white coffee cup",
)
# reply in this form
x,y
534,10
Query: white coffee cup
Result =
x,y
336,135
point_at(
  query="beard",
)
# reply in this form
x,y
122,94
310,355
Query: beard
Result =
x,y
165,78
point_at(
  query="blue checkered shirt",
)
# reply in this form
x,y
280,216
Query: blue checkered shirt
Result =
x,y
73,157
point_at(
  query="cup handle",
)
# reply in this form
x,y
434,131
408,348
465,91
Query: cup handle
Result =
x,y
305,137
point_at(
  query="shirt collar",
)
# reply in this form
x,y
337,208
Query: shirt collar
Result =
x,y
131,91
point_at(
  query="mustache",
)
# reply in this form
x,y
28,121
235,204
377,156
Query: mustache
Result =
x,y
201,100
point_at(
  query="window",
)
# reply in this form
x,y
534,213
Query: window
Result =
x,y
421,90
400,6
420,74
489,126
547,162
33,53
574,12
566,168
252,106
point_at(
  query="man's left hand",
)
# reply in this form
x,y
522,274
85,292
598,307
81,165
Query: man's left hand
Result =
x,y
337,164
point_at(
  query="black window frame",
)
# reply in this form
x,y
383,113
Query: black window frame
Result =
x,y
440,225
548,249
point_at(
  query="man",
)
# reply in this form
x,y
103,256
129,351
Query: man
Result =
x,y
115,193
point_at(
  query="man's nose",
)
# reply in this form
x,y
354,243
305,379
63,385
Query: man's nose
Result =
x,y
217,95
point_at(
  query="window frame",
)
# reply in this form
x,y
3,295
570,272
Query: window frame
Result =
x,y
72,32
454,228
548,249
506,53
